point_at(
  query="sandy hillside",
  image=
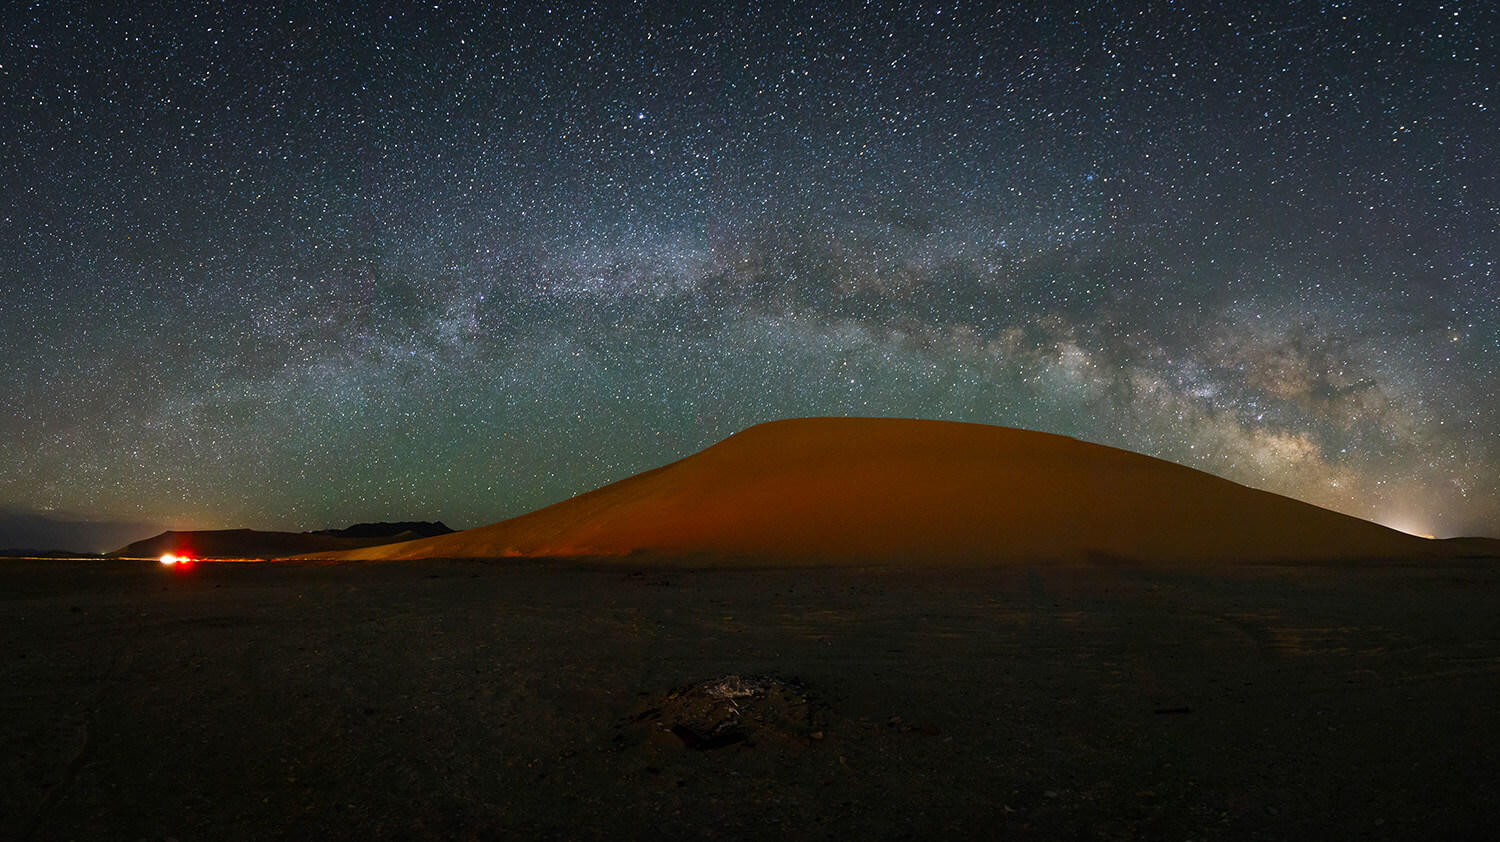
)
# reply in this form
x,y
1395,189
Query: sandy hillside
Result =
x,y
852,490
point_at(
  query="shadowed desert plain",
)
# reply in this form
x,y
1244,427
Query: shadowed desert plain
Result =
x,y
488,700
953,632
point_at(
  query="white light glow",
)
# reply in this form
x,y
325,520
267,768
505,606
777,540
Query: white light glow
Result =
x,y
1410,526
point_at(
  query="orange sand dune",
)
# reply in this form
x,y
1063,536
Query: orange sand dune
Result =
x,y
853,490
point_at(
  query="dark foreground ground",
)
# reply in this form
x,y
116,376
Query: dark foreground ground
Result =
x,y
437,700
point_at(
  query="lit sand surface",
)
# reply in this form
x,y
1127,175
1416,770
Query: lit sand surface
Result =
x,y
479,700
819,491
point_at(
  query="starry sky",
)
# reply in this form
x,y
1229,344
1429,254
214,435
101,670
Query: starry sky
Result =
x,y
292,266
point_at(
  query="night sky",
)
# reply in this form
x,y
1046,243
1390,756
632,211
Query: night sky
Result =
x,y
300,267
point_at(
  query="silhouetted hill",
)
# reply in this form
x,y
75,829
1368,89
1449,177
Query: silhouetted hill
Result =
x,y
1472,547
251,543
416,529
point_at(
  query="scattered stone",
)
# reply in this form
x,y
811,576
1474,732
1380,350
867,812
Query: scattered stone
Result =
x,y
728,710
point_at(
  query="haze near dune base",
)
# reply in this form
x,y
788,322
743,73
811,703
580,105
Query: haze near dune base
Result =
x,y
876,490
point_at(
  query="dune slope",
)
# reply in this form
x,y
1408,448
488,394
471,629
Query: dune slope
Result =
x,y
852,490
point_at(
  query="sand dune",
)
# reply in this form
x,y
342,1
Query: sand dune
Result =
x,y
860,490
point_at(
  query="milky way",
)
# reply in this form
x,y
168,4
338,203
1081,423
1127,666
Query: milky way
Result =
x,y
297,269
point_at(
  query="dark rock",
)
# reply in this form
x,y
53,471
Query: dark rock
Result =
x,y
717,734
731,709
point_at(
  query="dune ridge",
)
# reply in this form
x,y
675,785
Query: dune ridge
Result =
x,y
878,490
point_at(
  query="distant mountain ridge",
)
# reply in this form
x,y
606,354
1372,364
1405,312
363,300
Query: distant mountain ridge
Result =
x,y
252,543
419,528
32,552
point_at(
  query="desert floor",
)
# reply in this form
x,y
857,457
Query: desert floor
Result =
x,y
467,699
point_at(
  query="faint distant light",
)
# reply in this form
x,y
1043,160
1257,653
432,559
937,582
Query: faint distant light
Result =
x,y
1407,525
